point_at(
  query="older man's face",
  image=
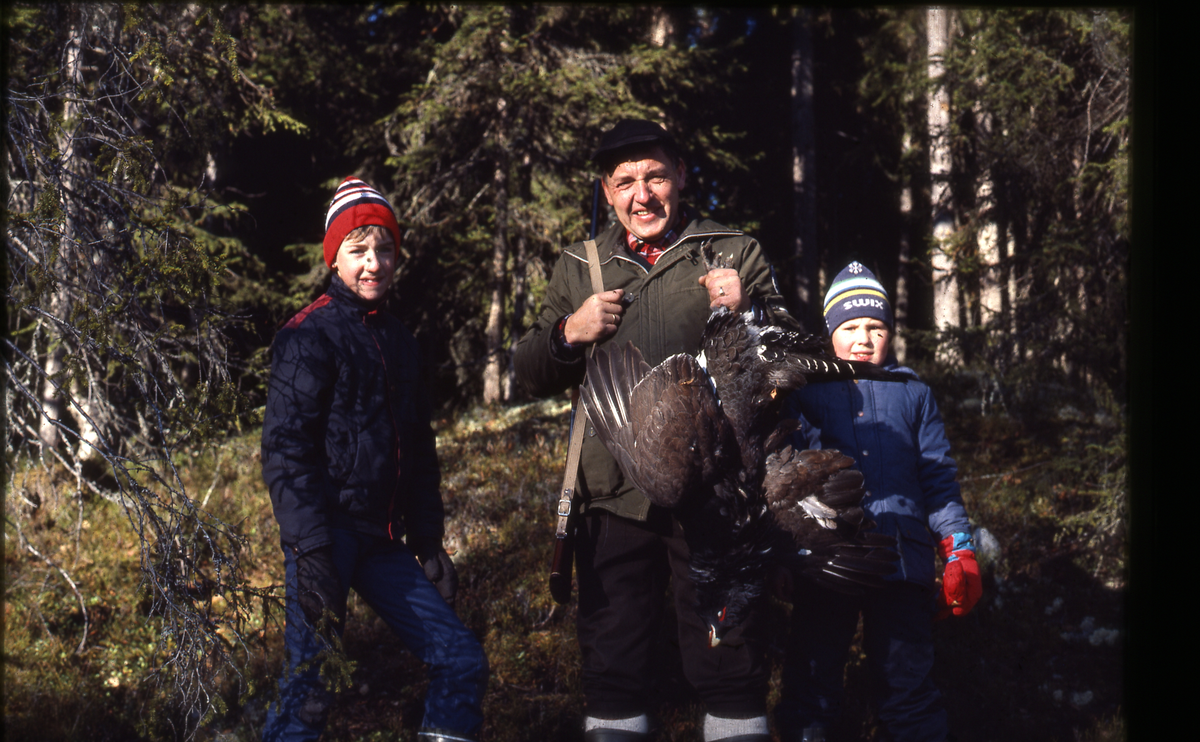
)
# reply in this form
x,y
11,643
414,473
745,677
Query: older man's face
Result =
x,y
644,192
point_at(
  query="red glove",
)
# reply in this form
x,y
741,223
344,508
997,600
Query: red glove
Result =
x,y
961,586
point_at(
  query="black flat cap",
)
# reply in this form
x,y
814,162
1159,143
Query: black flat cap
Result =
x,y
628,132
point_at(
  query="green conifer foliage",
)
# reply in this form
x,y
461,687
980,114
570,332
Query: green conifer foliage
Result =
x,y
118,361
490,161
1039,139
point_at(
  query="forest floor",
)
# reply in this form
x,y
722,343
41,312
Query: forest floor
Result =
x,y
1040,658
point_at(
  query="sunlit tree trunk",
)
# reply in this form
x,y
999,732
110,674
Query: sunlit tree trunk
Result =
x,y
900,305
804,158
68,263
517,321
67,260
662,28
946,306
989,244
53,407
494,333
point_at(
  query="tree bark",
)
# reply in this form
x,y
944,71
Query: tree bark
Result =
x,y
804,192
946,304
516,322
53,406
662,28
900,301
494,332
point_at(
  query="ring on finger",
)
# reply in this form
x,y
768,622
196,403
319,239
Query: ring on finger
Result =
x,y
720,291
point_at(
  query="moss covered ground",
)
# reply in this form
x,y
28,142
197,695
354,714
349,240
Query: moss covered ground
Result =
x,y
1039,659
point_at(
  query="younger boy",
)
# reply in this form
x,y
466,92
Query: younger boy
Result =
x,y
895,433
349,457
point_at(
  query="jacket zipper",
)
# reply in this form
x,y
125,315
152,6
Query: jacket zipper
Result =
x,y
392,416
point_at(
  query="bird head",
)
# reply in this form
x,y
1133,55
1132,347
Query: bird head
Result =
x,y
721,630
729,540
724,611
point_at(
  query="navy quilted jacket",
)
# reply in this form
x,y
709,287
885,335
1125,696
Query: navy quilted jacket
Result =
x,y
896,435
346,436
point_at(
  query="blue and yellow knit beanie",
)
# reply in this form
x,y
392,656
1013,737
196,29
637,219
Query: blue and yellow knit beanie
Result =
x,y
856,293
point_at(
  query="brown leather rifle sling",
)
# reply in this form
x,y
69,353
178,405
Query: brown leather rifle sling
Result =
x,y
564,534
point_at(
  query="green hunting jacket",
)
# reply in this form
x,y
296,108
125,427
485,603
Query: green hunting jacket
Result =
x,y
667,316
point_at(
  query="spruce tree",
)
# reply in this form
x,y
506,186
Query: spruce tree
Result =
x,y
121,297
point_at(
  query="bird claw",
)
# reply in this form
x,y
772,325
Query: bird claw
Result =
x,y
711,259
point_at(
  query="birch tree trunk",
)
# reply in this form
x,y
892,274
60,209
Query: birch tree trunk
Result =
x,y
662,28
946,304
900,300
53,407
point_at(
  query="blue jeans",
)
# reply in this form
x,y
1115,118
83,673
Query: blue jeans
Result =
x,y
898,639
387,576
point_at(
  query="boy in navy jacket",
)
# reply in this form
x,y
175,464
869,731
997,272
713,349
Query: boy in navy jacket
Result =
x,y
896,436
350,460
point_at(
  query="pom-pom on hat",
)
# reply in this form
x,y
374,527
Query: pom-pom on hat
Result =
x,y
356,204
856,293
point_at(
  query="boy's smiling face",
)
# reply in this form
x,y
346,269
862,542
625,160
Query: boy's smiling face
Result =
x,y
366,262
862,339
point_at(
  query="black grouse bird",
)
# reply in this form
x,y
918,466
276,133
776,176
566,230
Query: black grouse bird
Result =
x,y
699,435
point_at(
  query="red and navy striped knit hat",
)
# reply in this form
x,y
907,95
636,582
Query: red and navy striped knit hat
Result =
x,y
356,204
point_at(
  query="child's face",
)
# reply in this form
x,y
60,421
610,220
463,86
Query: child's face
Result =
x,y
862,339
366,264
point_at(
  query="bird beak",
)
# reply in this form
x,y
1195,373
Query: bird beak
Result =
x,y
713,639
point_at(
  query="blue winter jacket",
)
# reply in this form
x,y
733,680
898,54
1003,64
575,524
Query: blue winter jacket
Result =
x,y
346,439
896,436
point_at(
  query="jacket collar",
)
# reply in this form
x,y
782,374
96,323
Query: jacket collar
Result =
x,y
611,242
339,291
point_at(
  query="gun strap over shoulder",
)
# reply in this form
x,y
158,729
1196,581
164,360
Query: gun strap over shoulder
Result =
x,y
578,420
593,257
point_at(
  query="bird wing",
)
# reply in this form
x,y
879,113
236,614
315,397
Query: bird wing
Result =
x,y
816,499
751,387
663,425
813,490
813,356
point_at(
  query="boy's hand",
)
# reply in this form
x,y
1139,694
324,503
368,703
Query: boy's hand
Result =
x,y
320,589
961,586
439,569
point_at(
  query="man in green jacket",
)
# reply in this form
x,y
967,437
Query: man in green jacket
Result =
x,y
657,294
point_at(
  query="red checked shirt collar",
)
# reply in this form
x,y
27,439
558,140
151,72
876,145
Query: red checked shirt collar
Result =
x,y
651,250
